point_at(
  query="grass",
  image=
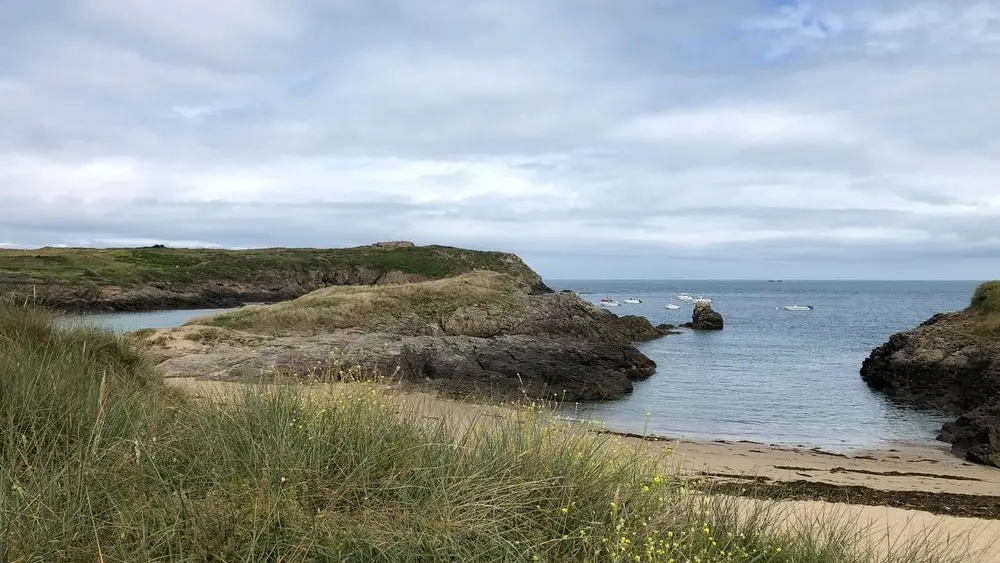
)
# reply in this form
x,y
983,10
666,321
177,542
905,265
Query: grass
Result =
x,y
129,267
101,462
986,304
494,295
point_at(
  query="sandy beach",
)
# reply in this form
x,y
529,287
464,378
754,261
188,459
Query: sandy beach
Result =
x,y
903,494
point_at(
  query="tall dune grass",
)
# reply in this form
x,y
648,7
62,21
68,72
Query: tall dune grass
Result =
x,y
100,462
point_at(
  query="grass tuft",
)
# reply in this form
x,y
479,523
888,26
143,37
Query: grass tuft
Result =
x,y
986,299
101,462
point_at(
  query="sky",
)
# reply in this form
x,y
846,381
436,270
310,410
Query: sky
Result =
x,y
643,139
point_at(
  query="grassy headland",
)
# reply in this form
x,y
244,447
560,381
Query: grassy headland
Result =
x,y
100,461
148,278
371,306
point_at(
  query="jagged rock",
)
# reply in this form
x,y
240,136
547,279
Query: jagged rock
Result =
x,y
704,317
950,361
976,434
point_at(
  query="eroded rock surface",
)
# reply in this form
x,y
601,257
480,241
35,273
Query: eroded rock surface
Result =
x,y
478,334
950,361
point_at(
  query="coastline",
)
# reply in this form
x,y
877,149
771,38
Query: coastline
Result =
x,y
913,477
904,495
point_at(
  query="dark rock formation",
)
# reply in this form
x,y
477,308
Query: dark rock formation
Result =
x,y
704,317
950,361
976,434
477,334
941,363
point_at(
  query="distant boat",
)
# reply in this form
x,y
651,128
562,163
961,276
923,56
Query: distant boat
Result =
x,y
671,306
633,301
609,302
685,297
798,307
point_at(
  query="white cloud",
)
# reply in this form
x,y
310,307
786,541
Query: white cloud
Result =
x,y
841,129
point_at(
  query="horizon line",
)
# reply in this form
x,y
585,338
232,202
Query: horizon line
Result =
x,y
772,280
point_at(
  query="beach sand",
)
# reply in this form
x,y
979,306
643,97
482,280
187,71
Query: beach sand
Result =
x,y
904,494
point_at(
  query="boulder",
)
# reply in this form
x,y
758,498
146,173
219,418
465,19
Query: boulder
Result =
x,y
704,317
976,434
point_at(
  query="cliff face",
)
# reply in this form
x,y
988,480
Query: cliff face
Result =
x,y
140,279
951,361
479,333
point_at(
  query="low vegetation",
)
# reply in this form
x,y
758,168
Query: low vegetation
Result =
x,y
986,304
101,462
372,306
86,270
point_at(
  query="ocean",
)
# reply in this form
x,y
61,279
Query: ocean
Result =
x,y
771,376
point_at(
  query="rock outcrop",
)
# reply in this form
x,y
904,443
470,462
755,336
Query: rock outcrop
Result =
x,y
952,362
704,317
481,333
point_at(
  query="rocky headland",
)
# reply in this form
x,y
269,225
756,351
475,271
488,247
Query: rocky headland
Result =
x,y
480,333
950,361
157,277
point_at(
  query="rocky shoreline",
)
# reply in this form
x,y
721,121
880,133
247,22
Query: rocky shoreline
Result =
x,y
952,362
482,333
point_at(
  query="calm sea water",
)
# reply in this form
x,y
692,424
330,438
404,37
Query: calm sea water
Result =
x,y
125,322
771,375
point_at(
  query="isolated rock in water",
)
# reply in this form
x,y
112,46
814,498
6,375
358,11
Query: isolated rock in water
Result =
x,y
704,317
950,361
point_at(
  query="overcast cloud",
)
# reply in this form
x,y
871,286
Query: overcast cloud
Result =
x,y
663,139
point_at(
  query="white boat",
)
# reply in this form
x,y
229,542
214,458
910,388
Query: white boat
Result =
x,y
609,302
685,297
671,306
798,307
633,301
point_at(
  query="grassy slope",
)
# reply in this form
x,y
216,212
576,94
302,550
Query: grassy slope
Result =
x,y
100,462
136,266
986,305
353,306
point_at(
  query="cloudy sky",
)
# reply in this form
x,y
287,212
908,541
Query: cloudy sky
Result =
x,y
645,138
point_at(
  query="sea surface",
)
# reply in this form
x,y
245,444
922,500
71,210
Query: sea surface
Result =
x,y
771,376
127,322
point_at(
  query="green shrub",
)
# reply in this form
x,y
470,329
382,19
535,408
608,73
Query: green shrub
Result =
x,y
986,299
